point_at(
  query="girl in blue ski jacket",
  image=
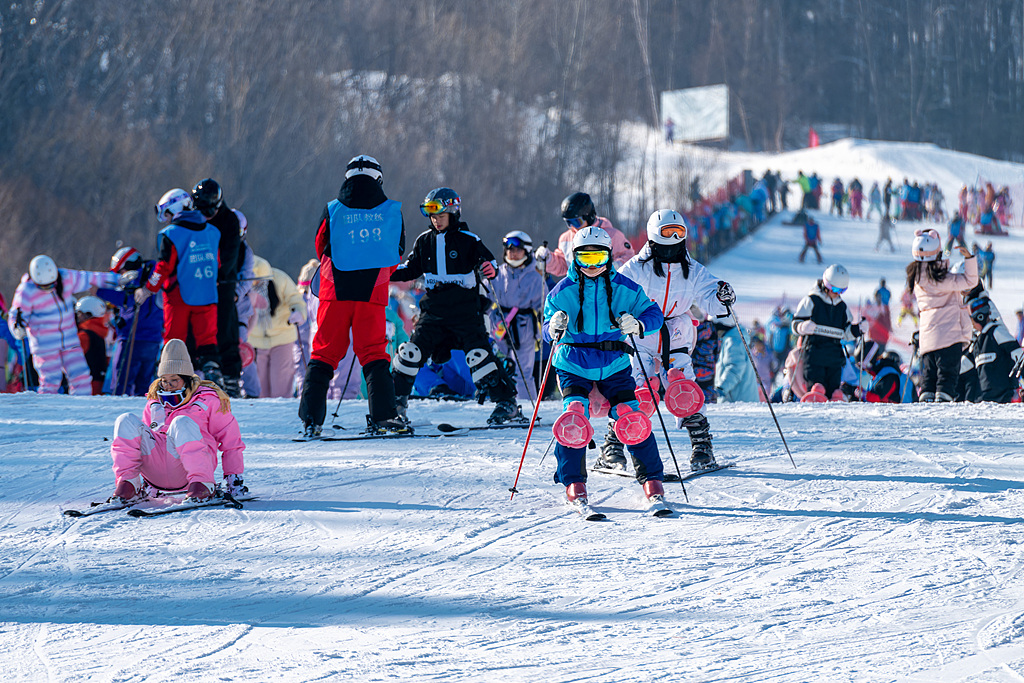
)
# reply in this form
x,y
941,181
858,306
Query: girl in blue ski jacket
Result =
x,y
589,314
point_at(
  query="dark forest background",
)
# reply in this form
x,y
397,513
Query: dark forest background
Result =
x,y
514,103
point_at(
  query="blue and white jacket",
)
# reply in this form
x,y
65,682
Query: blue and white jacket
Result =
x,y
627,297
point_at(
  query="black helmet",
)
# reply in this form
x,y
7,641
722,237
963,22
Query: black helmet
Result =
x,y
579,205
207,197
866,351
442,200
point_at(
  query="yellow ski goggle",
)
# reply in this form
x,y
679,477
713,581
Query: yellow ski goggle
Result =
x,y
593,259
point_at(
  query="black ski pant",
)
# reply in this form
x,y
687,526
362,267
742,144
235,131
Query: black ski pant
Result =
x,y
227,332
828,376
940,372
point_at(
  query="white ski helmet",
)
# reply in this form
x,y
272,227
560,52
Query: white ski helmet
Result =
x,y
93,306
518,238
364,165
927,245
667,227
592,236
836,278
171,204
42,270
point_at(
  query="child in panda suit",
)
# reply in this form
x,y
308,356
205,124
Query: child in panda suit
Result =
x,y
588,315
674,281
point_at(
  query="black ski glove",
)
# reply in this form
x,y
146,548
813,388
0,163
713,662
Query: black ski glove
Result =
x,y
725,293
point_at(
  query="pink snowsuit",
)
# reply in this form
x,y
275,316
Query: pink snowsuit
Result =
x,y
52,333
172,447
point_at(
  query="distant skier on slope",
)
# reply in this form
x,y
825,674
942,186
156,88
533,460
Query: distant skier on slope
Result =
x,y
589,314
184,425
674,281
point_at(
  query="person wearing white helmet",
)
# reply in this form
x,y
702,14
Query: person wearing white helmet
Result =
x,y
43,311
186,271
675,281
591,316
823,321
519,288
945,327
91,317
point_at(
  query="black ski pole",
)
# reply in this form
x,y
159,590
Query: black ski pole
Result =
x,y
910,369
657,409
24,364
126,366
767,396
343,390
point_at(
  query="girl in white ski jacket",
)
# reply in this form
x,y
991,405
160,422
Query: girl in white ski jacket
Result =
x,y
674,281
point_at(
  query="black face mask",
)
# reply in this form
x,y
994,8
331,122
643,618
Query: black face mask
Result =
x,y
669,253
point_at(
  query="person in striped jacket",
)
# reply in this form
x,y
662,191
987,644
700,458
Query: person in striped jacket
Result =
x,y
43,311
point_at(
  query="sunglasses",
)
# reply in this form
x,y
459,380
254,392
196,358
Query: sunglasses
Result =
x,y
514,242
674,231
575,222
593,259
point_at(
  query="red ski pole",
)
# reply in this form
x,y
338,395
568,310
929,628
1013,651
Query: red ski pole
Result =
x,y
533,420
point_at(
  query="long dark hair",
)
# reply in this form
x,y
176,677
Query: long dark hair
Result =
x,y
936,270
272,297
681,257
606,275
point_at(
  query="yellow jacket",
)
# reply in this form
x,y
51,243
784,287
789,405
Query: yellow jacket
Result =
x,y
265,330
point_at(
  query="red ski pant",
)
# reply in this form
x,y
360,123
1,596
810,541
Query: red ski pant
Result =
x,y
178,316
368,327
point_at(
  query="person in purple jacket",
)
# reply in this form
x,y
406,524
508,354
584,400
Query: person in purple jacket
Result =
x,y
139,329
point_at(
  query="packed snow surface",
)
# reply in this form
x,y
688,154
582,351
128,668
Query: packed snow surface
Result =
x,y
890,553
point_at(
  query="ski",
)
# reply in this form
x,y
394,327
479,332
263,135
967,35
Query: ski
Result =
x,y
363,436
217,500
668,476
448,429
585,511
107,506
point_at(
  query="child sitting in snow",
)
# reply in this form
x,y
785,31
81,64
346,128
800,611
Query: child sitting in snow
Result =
x,y
174,446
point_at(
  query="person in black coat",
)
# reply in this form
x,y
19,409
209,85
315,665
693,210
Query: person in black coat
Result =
x,y
995,353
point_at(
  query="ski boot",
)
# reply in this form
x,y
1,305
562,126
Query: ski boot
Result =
x,y
128,491
233,485
572,429
198,492
402,408
211,372
576,493
311,431
702,456
631,426
392,425
613,455
233,387
506,411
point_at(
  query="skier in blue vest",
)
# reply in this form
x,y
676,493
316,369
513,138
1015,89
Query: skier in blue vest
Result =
x,y
186,271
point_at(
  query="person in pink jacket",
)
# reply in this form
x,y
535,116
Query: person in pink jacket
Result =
x,y
945,321
174,447
578,212
43,309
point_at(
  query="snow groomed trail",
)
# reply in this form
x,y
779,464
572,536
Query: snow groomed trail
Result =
x,y
892,553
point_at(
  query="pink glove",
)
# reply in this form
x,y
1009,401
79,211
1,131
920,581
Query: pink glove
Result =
x,y
487,270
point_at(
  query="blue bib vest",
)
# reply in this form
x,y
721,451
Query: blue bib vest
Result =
x,y
197,262
365,238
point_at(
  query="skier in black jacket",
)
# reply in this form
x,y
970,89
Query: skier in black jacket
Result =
x,y
451,310
995,354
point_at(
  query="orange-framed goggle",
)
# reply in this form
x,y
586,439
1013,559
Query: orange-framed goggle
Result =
x,y
593,259
674,230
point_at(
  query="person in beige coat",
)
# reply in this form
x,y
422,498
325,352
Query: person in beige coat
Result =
x,y
945,321
280,309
